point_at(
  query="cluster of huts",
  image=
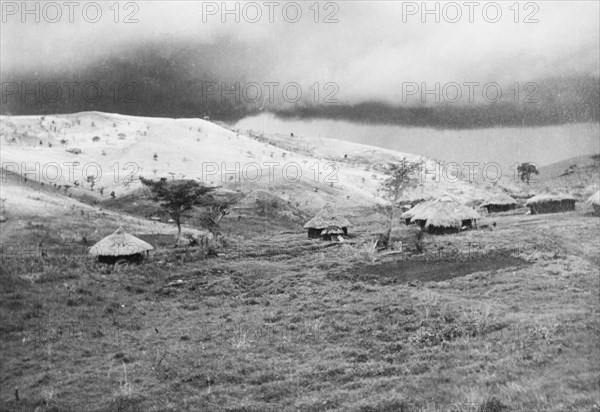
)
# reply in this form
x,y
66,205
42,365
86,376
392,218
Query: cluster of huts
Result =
x,y
443,215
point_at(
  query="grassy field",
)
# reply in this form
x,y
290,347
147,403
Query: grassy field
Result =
x,y
490,321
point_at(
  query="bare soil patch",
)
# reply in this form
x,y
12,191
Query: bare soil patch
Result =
x,y
435,270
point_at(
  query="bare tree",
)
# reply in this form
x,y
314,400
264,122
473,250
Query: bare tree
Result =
x,y
401,176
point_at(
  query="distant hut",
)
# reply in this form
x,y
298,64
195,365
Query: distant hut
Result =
x,y
594,200
120,247
551,203
327,223
445,215
499,203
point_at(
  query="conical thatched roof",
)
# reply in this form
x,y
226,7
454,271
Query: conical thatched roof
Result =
x,y
499,199
327,217
549,198
595,198
445,212
119,243
415,209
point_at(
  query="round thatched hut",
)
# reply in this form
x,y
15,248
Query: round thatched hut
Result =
x,y
594,200
499,203
120,247
327,220
408,215
445,215
551,203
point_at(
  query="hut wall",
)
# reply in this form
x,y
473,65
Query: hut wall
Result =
x,y
314,233
468,223
596,209
111,260
442,230
494,208
556,206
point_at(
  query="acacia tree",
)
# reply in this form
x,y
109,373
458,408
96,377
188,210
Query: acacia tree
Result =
x,y
526,170
179,196
401,176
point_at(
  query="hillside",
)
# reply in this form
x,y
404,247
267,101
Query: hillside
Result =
x,y
272,320
115,150
579,172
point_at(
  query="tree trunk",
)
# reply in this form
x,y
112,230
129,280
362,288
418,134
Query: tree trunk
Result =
x,y
178,222
388,235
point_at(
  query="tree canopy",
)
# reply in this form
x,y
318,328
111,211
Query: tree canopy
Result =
x,y
179,196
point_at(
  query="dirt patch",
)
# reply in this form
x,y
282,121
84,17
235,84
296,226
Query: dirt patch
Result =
x,y
424,270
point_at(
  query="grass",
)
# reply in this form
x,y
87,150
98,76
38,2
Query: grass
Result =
x,y
281,322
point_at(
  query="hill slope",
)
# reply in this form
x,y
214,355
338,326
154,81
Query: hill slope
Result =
x,y
114,150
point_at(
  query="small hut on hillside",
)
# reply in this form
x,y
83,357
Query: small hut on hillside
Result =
x,y
551,203
594,200
499,203
327,224
445,215
120,247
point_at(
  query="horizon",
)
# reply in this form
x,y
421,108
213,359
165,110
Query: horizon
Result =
x,y
357,132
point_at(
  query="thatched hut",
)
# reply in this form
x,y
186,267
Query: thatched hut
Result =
x,y
551,203
408,215
445,215
120,247
594,200
327,220
499,203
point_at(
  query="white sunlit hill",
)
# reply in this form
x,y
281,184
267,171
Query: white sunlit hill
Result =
x,y
304,171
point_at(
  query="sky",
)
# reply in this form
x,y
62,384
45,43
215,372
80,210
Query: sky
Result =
x,y
370,50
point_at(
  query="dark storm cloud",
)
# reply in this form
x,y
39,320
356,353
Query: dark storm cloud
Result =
x,y
370,53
